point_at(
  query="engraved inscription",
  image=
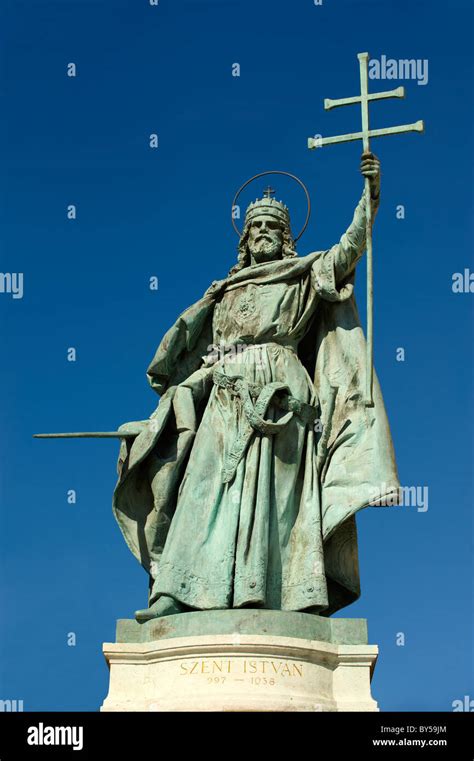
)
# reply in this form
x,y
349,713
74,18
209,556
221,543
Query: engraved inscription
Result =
x,y
239,668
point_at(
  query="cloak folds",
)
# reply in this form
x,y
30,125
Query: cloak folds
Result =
x,y
354,453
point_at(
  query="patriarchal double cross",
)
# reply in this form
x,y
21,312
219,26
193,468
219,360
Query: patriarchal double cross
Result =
x,y
365,134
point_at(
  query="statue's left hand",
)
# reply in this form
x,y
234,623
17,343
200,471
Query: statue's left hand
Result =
x,y
370,167
137,426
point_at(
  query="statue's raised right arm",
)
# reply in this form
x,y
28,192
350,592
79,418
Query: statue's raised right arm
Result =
x,y
352,244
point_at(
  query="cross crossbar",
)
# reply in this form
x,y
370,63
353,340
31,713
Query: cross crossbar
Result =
x,y
329,103
320,142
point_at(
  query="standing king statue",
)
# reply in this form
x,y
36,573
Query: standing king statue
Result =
x,y
241,489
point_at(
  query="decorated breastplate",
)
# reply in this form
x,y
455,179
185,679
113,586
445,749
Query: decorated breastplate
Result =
x,y
245,306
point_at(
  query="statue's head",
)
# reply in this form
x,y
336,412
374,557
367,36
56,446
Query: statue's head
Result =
x,y
266,235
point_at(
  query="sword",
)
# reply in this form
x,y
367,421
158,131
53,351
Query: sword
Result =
x,y
89,435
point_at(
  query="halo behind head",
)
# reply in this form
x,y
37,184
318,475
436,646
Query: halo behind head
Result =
x,y
271,206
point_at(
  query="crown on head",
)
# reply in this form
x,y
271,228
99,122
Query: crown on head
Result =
x,y
268,206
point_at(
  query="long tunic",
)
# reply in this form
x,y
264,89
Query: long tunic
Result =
x,y
255,539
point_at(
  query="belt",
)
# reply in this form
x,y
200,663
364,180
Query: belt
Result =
x,y
255,400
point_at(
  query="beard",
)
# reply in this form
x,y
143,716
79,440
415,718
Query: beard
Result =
x,y
265,250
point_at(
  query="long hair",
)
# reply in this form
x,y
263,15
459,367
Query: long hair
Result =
x,y
288,250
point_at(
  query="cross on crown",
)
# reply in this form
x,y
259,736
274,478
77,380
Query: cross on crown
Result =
x,y
269,192
268,206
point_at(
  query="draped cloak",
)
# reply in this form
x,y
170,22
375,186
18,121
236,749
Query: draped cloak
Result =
x,y
281,531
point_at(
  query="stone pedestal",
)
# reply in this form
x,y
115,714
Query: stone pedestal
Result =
x,y
241,660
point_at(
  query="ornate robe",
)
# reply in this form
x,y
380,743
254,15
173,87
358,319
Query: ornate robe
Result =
x,y
241,489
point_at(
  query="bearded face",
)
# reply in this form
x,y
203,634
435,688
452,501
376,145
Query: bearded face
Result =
x,y
265,240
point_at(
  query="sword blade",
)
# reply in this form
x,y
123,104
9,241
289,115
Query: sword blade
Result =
x,y
88,435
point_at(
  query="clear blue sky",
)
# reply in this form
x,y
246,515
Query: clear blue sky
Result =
x,y
165,212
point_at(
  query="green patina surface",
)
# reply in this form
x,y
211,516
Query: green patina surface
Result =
x,y
241,489
338,631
